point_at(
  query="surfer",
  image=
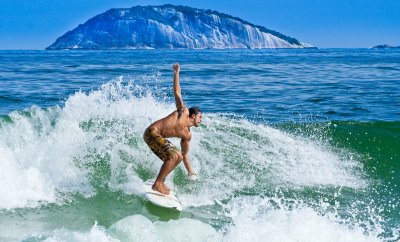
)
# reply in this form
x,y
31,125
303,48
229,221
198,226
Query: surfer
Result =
x,y
177,124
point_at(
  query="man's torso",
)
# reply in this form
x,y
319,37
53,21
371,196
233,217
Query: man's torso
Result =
x,y
174,125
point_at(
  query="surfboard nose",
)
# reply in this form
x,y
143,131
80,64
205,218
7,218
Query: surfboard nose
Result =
x,y
162,200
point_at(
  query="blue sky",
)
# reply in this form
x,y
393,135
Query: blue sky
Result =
x,y
35,24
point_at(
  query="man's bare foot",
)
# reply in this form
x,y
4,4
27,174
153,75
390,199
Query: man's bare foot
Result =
x,y
158,187
166,188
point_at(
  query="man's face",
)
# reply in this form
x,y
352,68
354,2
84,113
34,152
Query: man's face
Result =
x,y
197,119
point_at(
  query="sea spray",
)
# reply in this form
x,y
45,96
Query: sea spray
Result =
x,y
96,233
280,219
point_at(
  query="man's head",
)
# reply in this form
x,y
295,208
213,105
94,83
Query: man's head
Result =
x,y
196,115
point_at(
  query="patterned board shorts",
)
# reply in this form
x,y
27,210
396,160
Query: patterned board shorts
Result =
x,y
162,147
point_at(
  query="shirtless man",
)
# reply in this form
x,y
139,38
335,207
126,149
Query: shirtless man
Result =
x,y
177,124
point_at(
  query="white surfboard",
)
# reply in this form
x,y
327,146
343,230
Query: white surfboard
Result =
x,y
157,198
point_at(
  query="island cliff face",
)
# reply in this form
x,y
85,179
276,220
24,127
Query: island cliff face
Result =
x,y
170,27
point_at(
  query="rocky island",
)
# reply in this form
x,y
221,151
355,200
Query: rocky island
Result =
x,y
385,47
171,27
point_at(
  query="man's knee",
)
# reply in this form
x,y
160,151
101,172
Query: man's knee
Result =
x,y
175,159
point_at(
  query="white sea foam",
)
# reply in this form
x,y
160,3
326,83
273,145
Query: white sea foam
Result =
x,y
139,228
252,219
38,159
43,153
233,155
257,219
55,151
22,186
96,234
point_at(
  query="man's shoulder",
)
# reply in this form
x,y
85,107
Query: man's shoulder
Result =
x,y
182,110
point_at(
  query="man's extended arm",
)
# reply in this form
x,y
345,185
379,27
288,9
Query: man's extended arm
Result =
x,y
185,154
177,89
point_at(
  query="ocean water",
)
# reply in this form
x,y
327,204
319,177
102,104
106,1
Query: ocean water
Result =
x,y
296,145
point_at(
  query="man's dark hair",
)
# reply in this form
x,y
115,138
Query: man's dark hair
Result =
x,y
194,110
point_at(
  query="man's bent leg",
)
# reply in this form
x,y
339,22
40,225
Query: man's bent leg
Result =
x,y
166,168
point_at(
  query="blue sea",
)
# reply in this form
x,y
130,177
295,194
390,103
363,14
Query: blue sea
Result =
x,y
295,145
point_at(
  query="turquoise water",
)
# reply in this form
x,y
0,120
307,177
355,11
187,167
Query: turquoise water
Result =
x,y
296,145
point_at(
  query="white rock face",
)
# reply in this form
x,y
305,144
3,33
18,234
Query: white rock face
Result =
x,y
171,27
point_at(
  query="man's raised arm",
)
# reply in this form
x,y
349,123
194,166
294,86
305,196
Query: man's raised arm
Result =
x,y
177,89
